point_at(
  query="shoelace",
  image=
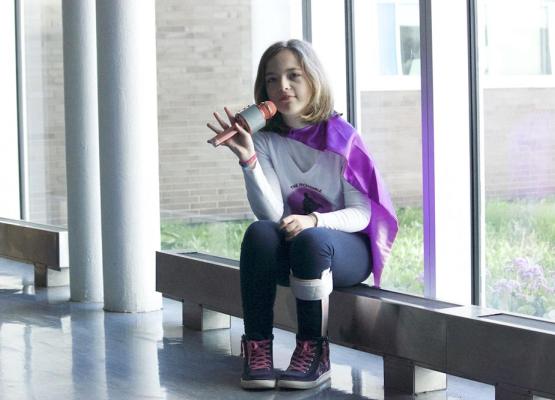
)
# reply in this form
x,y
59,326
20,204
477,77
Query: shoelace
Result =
x,y
303,356
258,353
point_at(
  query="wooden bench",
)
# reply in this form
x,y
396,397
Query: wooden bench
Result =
x,y
44,246
419,339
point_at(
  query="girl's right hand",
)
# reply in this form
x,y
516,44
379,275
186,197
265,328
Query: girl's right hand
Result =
x,y
241,143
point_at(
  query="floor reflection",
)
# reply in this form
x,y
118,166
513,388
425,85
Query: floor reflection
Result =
x,y
88,374
51,348
131,355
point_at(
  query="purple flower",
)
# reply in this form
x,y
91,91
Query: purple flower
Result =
x,y
420,277
530,274
506,286
520,262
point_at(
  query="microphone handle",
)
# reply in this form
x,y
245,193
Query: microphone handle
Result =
x,y
223,136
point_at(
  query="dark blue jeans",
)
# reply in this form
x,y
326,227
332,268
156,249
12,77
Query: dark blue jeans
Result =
x,y
267,259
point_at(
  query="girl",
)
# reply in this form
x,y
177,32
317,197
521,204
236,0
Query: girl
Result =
x,y
324,217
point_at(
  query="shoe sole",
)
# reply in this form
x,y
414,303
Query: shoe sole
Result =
x,y
258,384
293,384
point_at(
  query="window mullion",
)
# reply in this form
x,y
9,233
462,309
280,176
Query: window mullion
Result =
x,y
350,62
476,202
307,21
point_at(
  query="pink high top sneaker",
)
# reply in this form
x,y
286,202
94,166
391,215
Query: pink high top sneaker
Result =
x,y
258,364
309,367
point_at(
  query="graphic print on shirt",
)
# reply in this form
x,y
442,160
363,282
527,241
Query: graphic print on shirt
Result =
x,y
305,199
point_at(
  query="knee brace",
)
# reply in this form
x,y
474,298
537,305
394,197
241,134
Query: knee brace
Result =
x,y
312,289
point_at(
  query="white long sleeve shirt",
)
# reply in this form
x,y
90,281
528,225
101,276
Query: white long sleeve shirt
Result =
x,y
293,178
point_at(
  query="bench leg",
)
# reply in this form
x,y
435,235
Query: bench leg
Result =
x,y
403,376
198,318
509,392
46,277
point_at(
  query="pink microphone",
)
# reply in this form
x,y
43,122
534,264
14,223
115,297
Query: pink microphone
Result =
x,y
251,118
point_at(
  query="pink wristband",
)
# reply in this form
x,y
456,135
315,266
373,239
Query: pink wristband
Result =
x,y
249,162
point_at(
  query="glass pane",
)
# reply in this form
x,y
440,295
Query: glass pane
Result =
x,y
387,39
9,154
44,75
207,59
524,45
328,39
518,116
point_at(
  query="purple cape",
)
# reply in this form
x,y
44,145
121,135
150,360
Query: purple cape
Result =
x,y
338,136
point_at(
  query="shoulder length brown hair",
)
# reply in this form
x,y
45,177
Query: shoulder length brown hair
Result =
x,y
320,105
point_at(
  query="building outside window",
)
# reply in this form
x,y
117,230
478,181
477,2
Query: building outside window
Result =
x,y
398,37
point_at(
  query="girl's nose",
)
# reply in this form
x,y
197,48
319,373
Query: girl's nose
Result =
x,y
284,84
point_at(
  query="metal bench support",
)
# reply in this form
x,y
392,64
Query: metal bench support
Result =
x,y
509,392
46,277
200,318
402,376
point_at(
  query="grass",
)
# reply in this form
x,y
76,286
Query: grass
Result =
x,y
218,238
520,252
405,269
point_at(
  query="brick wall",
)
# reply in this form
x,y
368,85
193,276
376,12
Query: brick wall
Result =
x,y
45,111
391,128
519,142
204,63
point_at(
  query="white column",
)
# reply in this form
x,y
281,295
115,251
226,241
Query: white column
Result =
x,y
83,174
9,159
127,106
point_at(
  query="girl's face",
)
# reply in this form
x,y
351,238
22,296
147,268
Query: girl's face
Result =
x,y
287,86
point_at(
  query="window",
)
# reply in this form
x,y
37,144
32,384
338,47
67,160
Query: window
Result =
x,y
517,37
398,37
9,157
387,39
328,39
518,117
42,26
205,63
387,73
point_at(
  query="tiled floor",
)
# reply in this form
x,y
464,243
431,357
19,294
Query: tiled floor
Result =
x,y
54,349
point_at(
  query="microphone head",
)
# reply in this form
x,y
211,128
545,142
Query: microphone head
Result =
x,y
254,117
268,109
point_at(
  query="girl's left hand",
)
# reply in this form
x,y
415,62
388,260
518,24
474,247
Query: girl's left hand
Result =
x,y
294,224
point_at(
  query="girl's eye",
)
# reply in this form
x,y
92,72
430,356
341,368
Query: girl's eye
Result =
x,y
295,75
270,80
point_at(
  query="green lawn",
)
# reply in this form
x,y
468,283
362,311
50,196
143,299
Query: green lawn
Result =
x,y
218,238
405,269
520,252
